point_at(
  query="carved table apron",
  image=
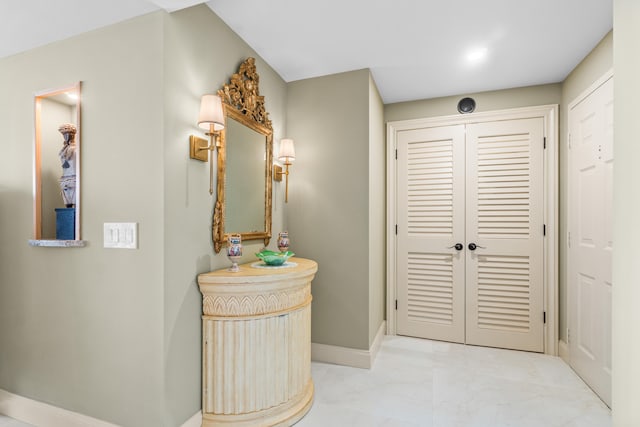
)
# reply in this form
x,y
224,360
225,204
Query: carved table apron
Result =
x,y
256,352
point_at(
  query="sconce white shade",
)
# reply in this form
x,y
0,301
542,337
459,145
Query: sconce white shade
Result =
x,y
287,153
211,113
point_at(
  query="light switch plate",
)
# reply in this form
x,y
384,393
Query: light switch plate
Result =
x,y
121,235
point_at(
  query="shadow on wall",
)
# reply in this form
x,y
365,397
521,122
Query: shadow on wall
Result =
x,y
16,221
185,330
16,227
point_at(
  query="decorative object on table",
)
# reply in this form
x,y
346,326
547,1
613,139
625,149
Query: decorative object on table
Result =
x,y
68,159
283,241
274,258
286,155
234,251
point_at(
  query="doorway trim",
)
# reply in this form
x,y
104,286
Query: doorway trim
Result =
x,y
549,114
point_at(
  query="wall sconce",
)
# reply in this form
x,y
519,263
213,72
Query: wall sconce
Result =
x,y
211,118
287,155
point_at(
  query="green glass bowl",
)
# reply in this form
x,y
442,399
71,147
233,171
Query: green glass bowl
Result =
x,y
274,258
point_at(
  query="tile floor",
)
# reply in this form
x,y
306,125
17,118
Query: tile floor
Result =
x,y
10,422
429,383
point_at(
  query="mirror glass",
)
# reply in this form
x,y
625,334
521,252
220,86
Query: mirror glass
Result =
x,y
243,202
57,164
244,184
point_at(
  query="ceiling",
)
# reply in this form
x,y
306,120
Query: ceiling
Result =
x,y
415,49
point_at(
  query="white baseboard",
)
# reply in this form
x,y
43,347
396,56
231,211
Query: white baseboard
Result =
x,y
44,415
348,356
195,421
563,349
377,341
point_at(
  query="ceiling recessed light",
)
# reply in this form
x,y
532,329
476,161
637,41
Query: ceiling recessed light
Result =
x,y
477,55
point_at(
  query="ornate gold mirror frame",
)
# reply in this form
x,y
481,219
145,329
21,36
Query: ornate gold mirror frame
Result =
x,y
242,102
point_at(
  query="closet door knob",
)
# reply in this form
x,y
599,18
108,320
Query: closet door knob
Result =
x,y
473,247
457,246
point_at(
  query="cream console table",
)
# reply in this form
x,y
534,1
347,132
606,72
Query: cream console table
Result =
x,y
256,352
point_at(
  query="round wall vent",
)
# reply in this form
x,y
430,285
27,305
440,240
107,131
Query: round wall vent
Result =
x,y
466,105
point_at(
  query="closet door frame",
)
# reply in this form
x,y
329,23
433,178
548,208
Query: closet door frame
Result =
x,y
549,114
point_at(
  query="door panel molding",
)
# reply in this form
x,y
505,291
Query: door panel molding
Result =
x,y
549,116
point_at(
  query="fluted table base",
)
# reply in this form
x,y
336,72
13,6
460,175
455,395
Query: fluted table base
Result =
x,y
286,414
256,354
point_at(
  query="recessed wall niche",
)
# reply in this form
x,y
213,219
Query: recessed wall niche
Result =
x,y
57,168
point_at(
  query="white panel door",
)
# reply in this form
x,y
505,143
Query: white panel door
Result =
x,y
505,199
591,243
430,211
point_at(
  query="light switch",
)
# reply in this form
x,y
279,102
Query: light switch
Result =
x,y
121,235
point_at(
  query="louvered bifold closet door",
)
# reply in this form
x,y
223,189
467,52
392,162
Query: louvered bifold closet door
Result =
x,y
505,219
430,212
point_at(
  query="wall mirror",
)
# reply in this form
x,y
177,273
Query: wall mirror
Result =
x,y
245,155
57,167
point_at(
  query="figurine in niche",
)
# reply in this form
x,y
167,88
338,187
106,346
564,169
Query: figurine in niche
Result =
x,y
68,160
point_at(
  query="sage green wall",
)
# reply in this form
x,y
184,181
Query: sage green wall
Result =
x,y
626,211
201,53
116,334
485,101
328,209
377,209
82,328
592,67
